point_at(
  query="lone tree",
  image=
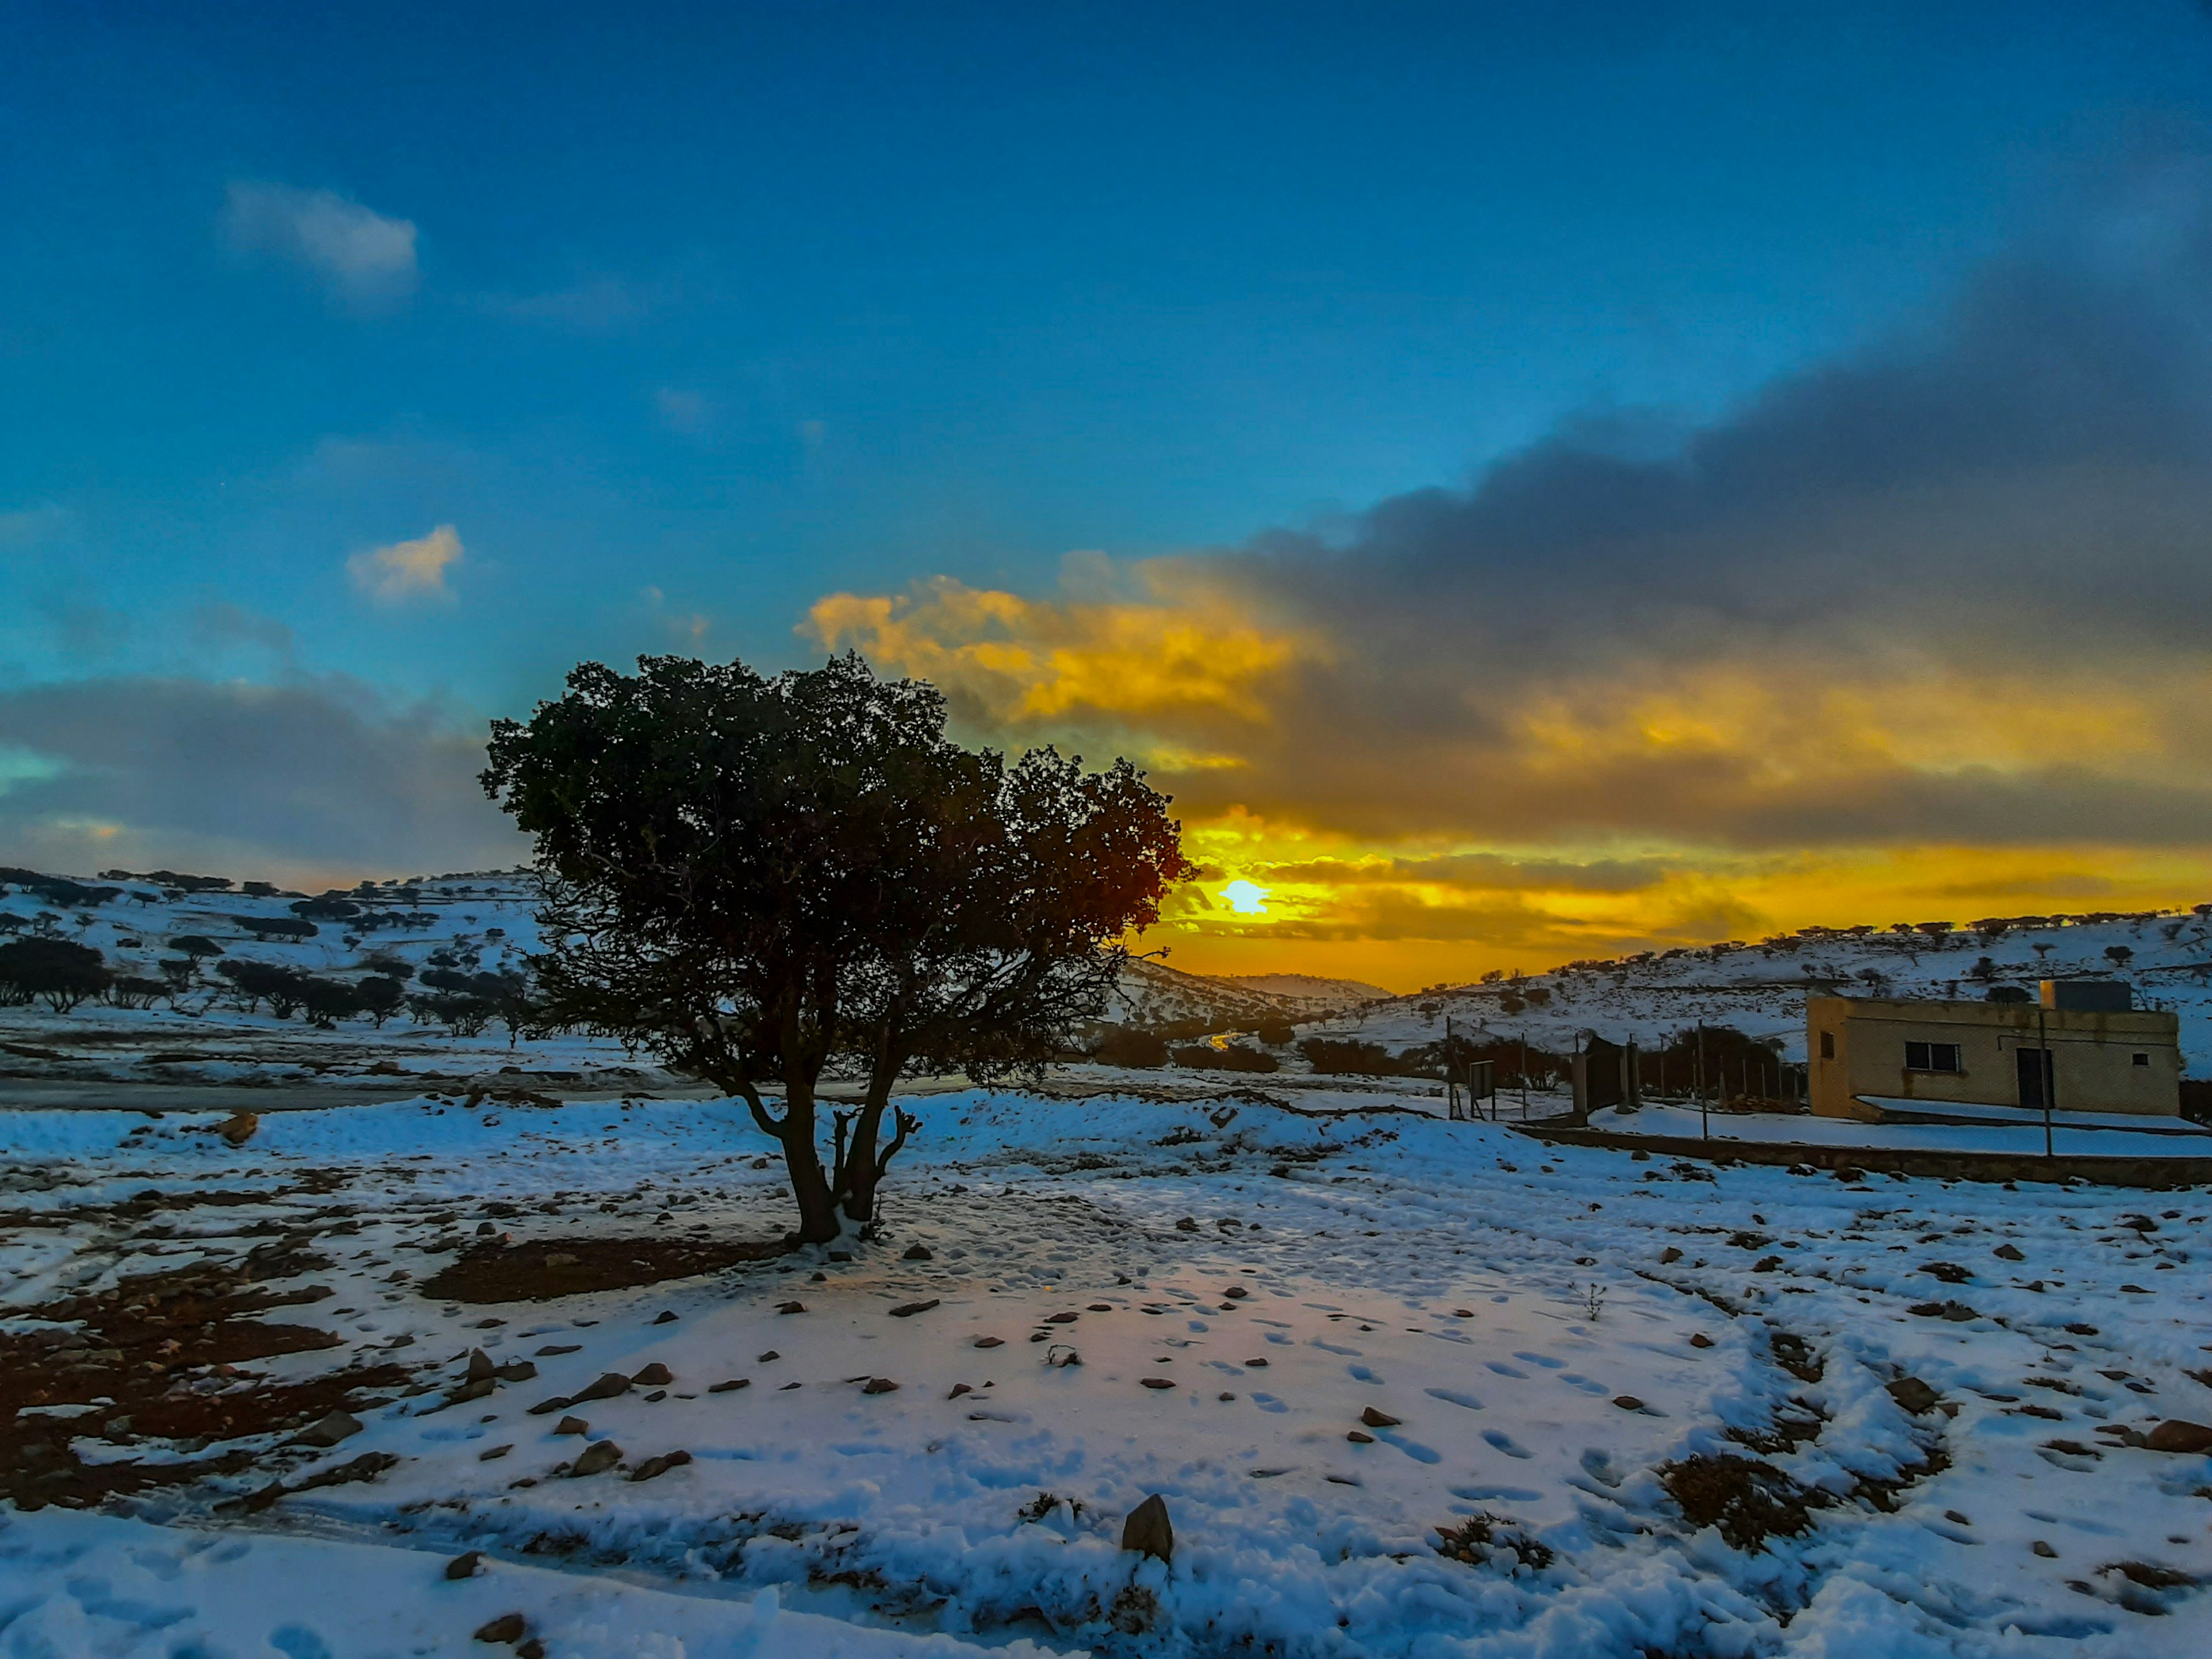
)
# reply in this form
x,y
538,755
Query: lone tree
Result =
x,y
759,879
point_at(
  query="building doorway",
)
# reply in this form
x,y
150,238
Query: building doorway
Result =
x,y
2036,1082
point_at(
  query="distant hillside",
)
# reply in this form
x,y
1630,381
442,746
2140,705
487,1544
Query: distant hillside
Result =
x,y
1761,989
1308,987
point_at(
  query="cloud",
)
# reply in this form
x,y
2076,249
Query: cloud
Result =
x,y
308,780
1942,596
407,571
364,257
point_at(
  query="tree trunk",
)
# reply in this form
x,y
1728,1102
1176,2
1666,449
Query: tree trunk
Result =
x,y
817,1207
861,1172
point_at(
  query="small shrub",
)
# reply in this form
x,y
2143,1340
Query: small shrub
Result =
x,y
1131,1045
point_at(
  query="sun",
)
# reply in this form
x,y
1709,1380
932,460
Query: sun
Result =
x,y
1246,898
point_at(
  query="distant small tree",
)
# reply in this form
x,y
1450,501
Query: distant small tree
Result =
x,y
380,996
2119,955
1277,1033
326,909
269,927
282,988
327,1001
53,971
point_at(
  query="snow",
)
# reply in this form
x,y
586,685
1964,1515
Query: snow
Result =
x,y
1512,1304
2091,1135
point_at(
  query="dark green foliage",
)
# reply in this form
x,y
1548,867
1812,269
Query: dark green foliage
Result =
x,y
50,970
389,964
327,1001
1205,1057
134,991
379,997
256,982
756,879
2007,993
269,927
58,889
195,945
1350,1058
1131,1045
1278,1033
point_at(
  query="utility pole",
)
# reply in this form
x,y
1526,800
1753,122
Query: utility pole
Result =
x,y
2049,1075
1451,1086
1704,1124
1524,1077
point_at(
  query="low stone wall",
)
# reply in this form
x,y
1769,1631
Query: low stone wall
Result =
x,y
2155,1173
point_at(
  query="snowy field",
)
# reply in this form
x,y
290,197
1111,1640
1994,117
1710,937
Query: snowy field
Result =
x,y
1661,1409
2083,1134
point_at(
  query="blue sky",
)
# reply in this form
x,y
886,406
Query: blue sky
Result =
x,y
682,317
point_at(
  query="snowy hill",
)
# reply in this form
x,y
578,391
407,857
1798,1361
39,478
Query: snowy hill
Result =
x,y
1310,988
1761,989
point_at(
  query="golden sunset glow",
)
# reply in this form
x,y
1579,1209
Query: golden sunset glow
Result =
x,y
1639,800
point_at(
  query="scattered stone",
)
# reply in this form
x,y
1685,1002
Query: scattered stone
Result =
x,y
1957,1312
1358,1439
530,1648
2009,1253
508,1627
909,1309
597,1457
660,1465
1156,1382
1225,1396
610,1384
959,1388
554,1349
1699,1339
1257,1365
1236,1292
328,1430
493,1454
729,1387
1374,1420
665,1317
1101,1307
990,1342
1628,1402
464,1566
1148,1530
880,1385
239,1127
652,1376
478,1390
2044,1550
1188,1224
572,1425
1068,1318
1669,1256
480,1366
1956,1518
516,1370
1462,1313
790,1307
770,1354
558,1402
2178,1434
485,1230
1912,1395
916,1253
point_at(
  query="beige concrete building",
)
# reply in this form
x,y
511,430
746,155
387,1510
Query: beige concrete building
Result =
x,y
2106,1056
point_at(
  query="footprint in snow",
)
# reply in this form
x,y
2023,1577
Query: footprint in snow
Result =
x,y
1505,1370
1543,1359
1363,1373
1267,1402
1505,1443
1337,1347
1277,1336
1497,1494
1575,1379
1452,1397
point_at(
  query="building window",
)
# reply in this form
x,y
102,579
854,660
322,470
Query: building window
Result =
x,y
2142,1059
1932,1057
1827,1045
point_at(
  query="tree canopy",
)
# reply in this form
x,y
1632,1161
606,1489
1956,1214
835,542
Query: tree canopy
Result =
x,y
758,877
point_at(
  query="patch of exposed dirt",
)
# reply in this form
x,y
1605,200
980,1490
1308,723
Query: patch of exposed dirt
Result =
x,y
1749,1501
541,1270
159,1353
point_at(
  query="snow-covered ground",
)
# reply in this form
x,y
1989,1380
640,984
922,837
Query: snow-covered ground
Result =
x,y
1678,1410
